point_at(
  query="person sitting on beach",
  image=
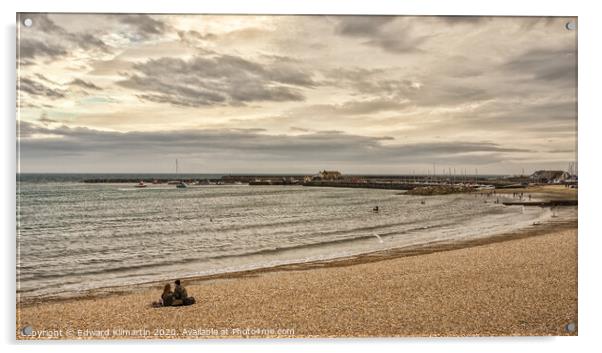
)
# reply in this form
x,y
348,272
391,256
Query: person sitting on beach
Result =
x,y
167,296
181,296
178,297
179,292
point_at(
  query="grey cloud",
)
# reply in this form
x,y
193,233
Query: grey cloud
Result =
x,y
84,84
553,65
400,44
58,41
46,79
362,25
217,80
236,145
38,89
516,121
145,25
243,36
546,116
299,129
562,151
371,82
44,119
88,41
192,36
426,91
464,19
448,93
374,30
33,48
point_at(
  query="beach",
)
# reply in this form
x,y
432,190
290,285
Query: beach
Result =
x,y
522,284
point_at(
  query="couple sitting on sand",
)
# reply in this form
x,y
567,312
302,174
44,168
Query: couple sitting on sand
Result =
x,y
178,297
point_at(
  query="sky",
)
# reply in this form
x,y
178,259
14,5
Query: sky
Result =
x,y
295,94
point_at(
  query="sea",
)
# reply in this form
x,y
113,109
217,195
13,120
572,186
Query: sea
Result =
x,y
73,237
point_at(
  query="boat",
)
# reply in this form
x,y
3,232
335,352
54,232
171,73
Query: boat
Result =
x,y
140,184
179,183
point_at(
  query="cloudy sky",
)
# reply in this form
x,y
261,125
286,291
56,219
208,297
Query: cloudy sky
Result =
x,y
294,94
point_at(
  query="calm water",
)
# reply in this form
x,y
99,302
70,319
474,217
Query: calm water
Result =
x,y
74,236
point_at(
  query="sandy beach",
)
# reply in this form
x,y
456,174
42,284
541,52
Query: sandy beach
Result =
x,y
522,285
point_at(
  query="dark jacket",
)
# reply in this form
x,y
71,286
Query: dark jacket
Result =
x,y
167,299
179,292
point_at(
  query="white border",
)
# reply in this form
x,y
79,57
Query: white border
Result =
x,y
589,145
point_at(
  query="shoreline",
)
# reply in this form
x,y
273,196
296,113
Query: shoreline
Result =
x,y
368,257
521,283
521,286
545,193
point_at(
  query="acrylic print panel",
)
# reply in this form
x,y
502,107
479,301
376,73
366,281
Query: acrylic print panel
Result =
x,y
227,176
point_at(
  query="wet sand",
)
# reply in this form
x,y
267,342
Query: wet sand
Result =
x,y
519,284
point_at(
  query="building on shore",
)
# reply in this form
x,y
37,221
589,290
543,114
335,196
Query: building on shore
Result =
x,y
329,175
550,176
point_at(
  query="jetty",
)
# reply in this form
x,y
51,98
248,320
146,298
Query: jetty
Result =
x,y
371,185
414,184
550,203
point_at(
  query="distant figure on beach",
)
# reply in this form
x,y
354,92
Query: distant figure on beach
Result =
x,y
176,298
179,292
529,197
167,296
180,295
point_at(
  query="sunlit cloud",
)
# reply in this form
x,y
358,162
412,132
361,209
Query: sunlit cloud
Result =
x,y
261,93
